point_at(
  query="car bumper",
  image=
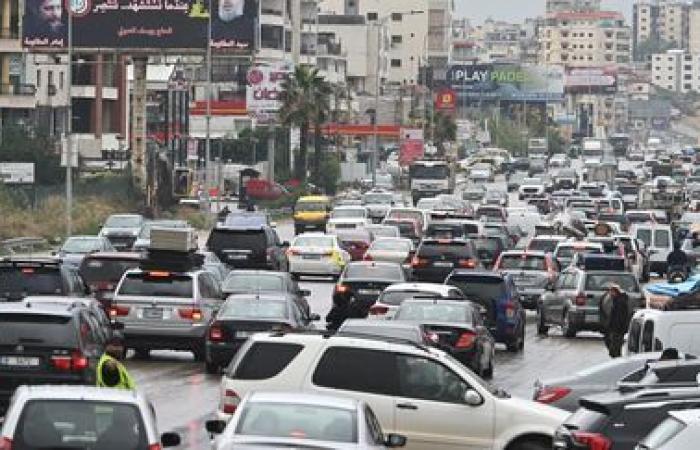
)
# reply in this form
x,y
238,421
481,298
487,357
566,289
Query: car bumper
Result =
x,y
586,319
310,225
324,266
530,296
170,338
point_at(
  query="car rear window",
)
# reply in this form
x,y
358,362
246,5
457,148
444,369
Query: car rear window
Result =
x,y
662,239
444,231
600,282
313,241
426,312
395,298
253,240
570,251
543,245
264,360
95,269
523,262
157,285
36,329
247,282
30,280
391,245
71,424
300,421
483,288
447,250
375,272
253,309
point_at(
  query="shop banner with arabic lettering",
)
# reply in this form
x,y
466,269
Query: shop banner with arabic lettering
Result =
x,y
141,24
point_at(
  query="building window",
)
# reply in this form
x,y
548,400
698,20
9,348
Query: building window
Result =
x,y
38,78
50,78
670,77
687,67
396,17
372,16
657,68
396,39
395,63
658,77
60,80
687,76
413,58
670,87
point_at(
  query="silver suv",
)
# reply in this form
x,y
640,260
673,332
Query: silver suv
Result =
x,y
163,309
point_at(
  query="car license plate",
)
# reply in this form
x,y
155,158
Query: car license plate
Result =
x,y
237,257
19,361
244,334
592,317
312,257
442,264
368,292
153,313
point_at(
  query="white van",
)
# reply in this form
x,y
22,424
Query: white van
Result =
x,y
652,330
658,240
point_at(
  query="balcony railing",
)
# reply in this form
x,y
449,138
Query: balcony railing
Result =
x,y
17,89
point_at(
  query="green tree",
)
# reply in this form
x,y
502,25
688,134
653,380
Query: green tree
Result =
x,y
444,130
648,47
306,104
18,145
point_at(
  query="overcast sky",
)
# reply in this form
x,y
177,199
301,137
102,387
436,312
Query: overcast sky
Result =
x,y
516,10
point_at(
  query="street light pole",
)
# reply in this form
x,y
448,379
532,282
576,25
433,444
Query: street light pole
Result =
x,y
207,142
69,127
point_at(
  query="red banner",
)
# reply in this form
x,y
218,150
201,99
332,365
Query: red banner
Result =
x,y
412,145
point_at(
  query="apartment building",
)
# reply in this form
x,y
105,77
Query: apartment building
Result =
x,y
694,29
666,21
580,39
676,70
572,5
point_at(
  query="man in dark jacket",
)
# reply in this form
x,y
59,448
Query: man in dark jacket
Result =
x,y
614,313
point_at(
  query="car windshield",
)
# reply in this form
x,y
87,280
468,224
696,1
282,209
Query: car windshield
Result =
x,y
81,245
543,245
644,236
157,284
601,281
44,328
222,239
437,172
313,241
523,262
391,245
662,239
248,282
80,424
123,222
395,298
433,312
570,251
354,213
30,281
300,421
310,207
95,269
628,189
383,199
253,309
371,271
445,250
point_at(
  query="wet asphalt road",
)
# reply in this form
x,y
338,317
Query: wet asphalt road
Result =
x,y
185,397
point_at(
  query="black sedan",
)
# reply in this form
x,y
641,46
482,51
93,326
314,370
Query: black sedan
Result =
x,y
359,287
456,327
246,314
267,282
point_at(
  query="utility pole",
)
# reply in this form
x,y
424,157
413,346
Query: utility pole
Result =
x,y
207,141
69,128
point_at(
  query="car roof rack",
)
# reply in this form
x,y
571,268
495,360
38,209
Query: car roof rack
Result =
x,y
326,334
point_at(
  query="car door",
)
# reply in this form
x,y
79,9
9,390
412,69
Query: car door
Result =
x,y
430,408
551,301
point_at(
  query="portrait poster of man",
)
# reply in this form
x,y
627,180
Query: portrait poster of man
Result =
x,y
233,24
45,24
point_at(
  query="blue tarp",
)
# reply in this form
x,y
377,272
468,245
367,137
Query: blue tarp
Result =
x,y
690,286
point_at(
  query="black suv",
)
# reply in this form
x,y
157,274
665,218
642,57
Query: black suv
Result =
x,y
620,420
21,277
249,247
48,343
436,258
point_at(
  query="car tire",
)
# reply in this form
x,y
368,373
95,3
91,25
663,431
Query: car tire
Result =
x,y
567,328
199,353
517,344
488,372
542,327
142,352
295,276
212,368
531,445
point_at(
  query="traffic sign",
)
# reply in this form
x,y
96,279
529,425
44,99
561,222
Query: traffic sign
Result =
x,y
16,173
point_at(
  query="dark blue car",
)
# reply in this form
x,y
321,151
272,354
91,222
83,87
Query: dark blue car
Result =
x,y
496,292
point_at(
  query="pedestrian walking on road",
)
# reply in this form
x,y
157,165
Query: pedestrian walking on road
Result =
x,y
614,313
110,372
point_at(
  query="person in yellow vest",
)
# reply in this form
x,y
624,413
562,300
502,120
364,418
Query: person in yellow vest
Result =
x,y
110,372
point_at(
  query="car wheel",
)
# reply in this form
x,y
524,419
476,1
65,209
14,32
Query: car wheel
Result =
x,y
142,352
295,276
517,343
567,328
199,353
522,338
542,327
212,368
488,372
542,444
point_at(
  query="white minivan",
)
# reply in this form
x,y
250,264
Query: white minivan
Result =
x,y
658,240
652,330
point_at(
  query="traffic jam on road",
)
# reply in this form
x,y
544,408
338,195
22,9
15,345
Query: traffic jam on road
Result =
x,y
489,303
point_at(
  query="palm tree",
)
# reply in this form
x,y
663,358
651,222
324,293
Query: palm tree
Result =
x,y
306,103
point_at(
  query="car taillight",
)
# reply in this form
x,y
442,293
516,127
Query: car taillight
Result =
x,y
592,441
79,361
194,314
216,333
155,446
118,311
466,340
510,309
76,361
368,257
467,263
6,444
292,252
551,394
378,310
580,299
419,262
230,401
61,363
341,288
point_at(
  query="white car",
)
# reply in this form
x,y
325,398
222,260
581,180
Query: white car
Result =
x,y
348,218
531,187
316,254
391,298
481,173
416,391
81,417
398,250
300,420
680,431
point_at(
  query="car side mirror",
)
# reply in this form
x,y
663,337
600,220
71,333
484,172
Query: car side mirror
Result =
x,y
304,292
395,440
170,439
314,317
215,426
472,398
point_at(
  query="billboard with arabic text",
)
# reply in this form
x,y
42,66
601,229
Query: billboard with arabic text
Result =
x,y
141,24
